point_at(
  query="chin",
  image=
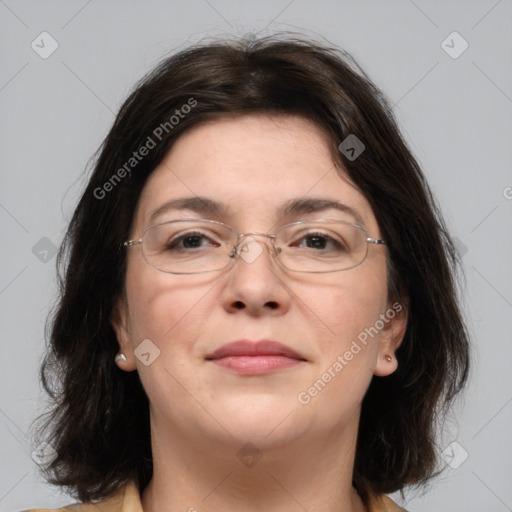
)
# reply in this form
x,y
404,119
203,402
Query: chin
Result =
x,y
264,418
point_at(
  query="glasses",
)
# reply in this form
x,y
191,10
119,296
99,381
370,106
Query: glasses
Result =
x,y
188,246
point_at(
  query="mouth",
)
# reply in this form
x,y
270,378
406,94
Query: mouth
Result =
x,y
255,357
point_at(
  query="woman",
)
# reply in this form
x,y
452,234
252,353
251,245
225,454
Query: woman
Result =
x,y
258,307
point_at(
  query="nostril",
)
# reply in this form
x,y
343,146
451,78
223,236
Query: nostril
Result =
x,y
239,304
272,305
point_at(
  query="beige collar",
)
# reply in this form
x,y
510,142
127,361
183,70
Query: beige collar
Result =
x,y
127,499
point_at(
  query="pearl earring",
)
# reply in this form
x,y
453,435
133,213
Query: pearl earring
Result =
x,y
120,357
388,359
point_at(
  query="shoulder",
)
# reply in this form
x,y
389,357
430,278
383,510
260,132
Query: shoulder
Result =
x,y
69,508
78,507
125,499
384,503
102,506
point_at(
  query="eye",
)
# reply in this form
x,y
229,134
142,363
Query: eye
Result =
x,y
191,240
320,242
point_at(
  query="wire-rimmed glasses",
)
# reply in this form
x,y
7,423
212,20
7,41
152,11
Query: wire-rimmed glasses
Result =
x,y
196,246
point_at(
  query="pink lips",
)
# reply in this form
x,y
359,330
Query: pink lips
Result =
x,y
255,358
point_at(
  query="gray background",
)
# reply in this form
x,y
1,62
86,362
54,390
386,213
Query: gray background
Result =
x,y
455,113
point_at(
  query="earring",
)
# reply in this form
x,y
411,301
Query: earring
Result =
x,y
388,359
120,357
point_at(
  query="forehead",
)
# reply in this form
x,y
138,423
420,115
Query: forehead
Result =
x,y
254,166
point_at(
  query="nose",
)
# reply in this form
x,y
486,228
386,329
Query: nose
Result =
x,y
256,283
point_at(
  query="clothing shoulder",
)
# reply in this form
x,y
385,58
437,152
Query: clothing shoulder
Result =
x,y
78,507
125,499
384,503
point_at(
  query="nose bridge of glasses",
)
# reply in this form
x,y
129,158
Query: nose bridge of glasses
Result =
x,y
249,249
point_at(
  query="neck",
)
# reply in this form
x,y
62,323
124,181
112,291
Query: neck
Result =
x,y
198,475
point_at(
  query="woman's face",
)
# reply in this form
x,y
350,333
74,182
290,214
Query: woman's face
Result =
x,y
253,166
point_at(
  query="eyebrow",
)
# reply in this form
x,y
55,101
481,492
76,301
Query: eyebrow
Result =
x,y
294,207
198,204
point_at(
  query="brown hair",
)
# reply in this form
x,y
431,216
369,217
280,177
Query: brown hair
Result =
x,y
99,423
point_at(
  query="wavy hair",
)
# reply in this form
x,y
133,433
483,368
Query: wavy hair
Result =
x,y
99,419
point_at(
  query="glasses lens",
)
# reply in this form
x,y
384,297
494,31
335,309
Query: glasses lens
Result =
x,y
321,246
188,246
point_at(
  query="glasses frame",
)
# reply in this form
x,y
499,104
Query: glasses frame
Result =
x,y
239,236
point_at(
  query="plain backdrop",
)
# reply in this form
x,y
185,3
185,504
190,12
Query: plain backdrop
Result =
x,y
453,103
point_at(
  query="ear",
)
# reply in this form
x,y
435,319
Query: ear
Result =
x,y
392,334
119,319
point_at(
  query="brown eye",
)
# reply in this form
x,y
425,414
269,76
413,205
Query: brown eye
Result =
x,y
319,242
190,241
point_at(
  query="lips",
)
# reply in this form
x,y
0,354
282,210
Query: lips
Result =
x,y
247,357
254,348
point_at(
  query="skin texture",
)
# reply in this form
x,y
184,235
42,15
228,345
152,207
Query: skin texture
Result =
x,y
201,414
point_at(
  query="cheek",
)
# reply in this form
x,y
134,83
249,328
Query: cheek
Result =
x,y
353,303
351,307
164,308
